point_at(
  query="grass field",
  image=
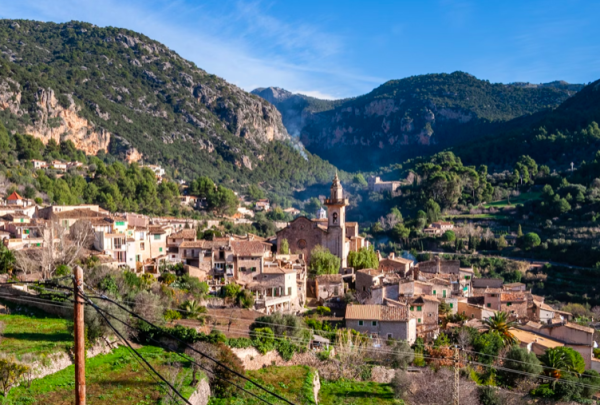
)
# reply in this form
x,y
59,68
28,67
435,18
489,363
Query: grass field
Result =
x,y
345,392
514,200
115,379
33,331
291,382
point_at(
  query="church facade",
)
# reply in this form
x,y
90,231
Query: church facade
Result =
x,y
333,232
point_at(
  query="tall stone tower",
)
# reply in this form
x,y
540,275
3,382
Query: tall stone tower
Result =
x,y
336,214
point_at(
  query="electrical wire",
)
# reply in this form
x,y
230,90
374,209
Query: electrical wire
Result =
x,y
187,358
137,354
193,349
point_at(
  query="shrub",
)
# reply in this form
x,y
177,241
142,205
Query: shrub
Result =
x,y
171,314
264,340
323,311
231,290
245,299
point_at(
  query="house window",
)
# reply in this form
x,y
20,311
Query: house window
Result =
x,y
489,305
508,304
22,220
467,277
142,246
374,323
434,292
452,306
157,237
253,269
120,223
444,294
242,269
289,290
160,249
390,336
412,308
419,320
361,323
418,308
221,255
118,243
65,222
26,231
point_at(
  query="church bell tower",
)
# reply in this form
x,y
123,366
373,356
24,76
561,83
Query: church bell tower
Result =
x,y
336,225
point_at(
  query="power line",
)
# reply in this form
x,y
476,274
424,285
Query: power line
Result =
x,y
188,359
137,354
202,354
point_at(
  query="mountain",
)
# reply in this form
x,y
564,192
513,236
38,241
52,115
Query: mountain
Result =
x,y
295,108
419,115
568,133
111,90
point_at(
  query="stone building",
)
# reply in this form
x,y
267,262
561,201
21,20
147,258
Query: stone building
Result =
x,y
379,321
378,186
334,233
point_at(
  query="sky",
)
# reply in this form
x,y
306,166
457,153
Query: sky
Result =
x,y
336,49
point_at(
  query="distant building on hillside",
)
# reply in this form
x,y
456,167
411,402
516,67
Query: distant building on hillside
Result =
x,y
378,186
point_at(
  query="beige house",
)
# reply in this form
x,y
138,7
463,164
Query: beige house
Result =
x,y
329,286
395,264
383,322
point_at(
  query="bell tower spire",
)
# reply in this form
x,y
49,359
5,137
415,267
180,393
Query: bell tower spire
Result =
x,y
336,225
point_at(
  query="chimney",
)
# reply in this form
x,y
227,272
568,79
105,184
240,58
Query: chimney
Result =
x,y
392,255
378,255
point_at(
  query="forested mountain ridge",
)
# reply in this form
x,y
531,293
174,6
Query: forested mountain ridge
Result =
x,y
393,120
111,89
557,137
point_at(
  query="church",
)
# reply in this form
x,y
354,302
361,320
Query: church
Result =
x,y
333,232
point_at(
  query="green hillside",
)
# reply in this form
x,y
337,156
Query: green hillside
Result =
x,y
147,99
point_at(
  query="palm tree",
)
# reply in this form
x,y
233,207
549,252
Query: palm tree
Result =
x,y
193,309
561,360
500,324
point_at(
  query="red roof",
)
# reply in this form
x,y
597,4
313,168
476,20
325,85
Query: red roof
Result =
x,y
14,196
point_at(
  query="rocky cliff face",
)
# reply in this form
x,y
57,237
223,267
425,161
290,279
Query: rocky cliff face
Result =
x,y
427,110
109,89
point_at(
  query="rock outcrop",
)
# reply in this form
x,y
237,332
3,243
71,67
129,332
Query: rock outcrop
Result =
x,y
54,121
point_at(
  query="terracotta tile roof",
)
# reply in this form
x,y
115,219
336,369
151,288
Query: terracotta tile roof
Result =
x,y
192,244
512,297
370,272
579,327
157,230
277,270
487,282
377,313
439,281
351,223
329,279
530,337
77,213
249,248
184,234
14,196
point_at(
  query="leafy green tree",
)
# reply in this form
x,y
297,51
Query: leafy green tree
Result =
x,y
521,360
433,210
531,240
11,373
360,180
591,378
255,192
322,261
192,309
449,236
364,258
400,232
489,345
501,242
285,247
562,361
7,259
313,206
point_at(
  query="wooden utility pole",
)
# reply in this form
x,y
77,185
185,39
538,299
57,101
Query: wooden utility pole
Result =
x,y
79,336
455,393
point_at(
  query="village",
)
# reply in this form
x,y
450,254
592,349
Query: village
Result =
x,y
400,299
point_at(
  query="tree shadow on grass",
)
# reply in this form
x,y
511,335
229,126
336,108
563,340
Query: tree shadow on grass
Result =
x,y
48,337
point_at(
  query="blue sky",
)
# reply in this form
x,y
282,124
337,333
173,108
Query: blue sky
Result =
x,y
335,49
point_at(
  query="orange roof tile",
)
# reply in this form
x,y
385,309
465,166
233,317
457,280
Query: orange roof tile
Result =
x,y
377,312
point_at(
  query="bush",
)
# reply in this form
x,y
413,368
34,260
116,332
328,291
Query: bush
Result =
x,y
489,396
264,340
323,311
543,391
240,343
245,299
231,290
449,236
171,315
567,389
519,359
